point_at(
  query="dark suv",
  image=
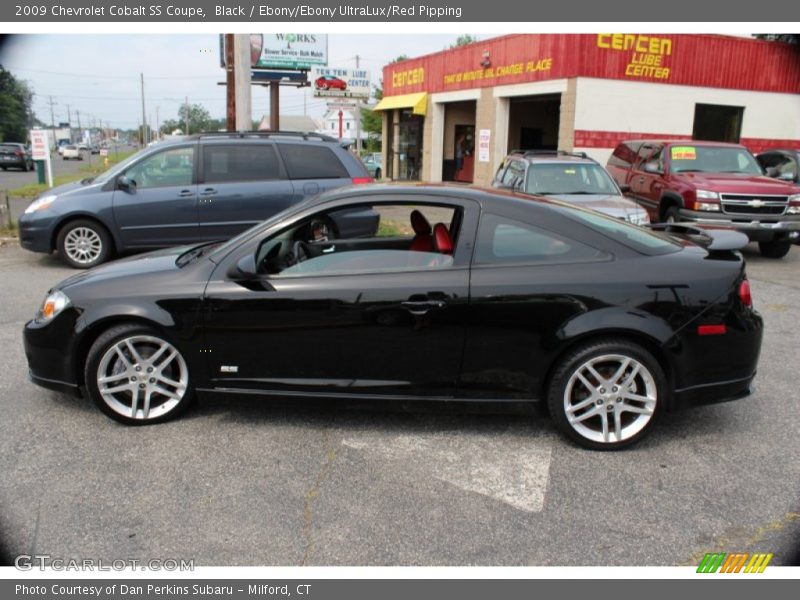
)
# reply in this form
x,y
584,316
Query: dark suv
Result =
x,y
192,189
16,156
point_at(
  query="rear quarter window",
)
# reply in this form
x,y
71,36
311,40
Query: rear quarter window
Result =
x,y
624,155
308,161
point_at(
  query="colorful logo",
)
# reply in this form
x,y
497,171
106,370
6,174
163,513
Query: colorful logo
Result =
x,y
737,562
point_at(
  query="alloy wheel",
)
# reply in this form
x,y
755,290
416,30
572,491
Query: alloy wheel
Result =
x,y
610,398
142,377
83,245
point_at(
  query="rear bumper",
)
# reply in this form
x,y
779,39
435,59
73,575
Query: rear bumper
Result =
x,y
765,228
713,393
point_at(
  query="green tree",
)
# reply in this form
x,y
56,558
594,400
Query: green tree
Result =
x,y
199,118
464,40
16,116
378,89
788,38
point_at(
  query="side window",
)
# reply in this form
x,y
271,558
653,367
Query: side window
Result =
x,y
242,162
643,155
624,155
788,166
407,238
514,175
307,161
658,157
167,168
506,241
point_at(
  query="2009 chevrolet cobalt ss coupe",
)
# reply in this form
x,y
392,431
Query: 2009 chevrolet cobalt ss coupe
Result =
x,y
464,294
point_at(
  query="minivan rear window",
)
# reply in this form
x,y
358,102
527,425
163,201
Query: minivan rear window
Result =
x,y
306,161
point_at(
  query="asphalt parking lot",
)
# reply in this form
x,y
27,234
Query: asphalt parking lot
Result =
x,y
248,482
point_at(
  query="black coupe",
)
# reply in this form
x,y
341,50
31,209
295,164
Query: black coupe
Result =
x,y
464,293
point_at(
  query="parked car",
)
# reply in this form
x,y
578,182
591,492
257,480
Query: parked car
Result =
x,y
15,156
71,152
191,189
329,82
494,296
94,149
571,177
781,164
374,164
709,183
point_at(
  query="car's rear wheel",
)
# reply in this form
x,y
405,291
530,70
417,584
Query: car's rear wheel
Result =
x,y
136,376
606,395
83,244
775,249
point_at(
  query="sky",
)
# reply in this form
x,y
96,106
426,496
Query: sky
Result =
x,y
97,76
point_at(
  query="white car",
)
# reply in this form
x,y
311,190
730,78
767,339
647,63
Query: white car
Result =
x,y
71,152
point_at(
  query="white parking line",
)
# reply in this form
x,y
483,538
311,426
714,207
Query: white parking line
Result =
x,y
512,466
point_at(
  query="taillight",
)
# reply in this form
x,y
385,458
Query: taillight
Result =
x,y
744,293
18,152
360,180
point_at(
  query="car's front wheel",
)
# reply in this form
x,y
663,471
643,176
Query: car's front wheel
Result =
x,y
606,395
775,249
136,376
83,244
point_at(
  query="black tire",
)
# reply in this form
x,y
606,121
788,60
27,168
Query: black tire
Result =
x,y
104,344
377,173
585,433
72,258
775,249
672,215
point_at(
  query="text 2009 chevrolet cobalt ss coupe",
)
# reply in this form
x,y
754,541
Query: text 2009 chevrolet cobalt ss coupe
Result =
x,y
464,294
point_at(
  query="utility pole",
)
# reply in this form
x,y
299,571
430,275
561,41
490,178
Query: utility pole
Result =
x,y
274,105
158,124
69,123
243,91
144,115
52,103
230,83
80,131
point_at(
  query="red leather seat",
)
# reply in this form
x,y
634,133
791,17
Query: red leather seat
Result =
x,y
442,241
423,240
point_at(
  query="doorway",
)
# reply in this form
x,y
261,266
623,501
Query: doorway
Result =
x,y
717,123
533,122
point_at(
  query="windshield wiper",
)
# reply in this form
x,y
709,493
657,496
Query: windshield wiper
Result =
x,y
690,171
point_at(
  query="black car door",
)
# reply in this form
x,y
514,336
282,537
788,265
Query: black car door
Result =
x,y
360,326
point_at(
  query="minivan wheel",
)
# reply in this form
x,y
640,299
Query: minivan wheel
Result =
x,y
775,248
83,244
136,376
606,395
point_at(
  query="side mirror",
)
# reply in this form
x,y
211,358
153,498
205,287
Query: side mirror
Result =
x,y
125,184
624,188
652,167
244,269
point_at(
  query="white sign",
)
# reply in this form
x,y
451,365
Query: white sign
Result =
x,y
484,137
40,145
292,51
331,82
103,151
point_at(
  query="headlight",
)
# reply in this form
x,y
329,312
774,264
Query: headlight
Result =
x,y
40,204
53,304
707,195
710,206
793,210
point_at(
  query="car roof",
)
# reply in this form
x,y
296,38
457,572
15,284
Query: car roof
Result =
x,y
309,136
548,156
672,142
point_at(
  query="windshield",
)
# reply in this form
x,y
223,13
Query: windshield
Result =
x,y
712,159
569,178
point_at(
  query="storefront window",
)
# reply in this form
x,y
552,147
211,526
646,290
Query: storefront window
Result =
x,y
409,132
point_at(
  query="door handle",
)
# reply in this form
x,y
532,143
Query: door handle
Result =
x,y
641,179
185,193
421,307
208,192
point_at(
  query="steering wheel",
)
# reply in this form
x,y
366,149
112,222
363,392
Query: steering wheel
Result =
x,y
300,252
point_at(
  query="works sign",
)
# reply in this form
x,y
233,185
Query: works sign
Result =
x,y
286,51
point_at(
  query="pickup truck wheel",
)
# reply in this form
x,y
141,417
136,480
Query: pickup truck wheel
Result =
x,y
672,215
775,249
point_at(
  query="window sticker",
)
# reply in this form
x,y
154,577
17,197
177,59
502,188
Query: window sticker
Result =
x,y
684,153
569,171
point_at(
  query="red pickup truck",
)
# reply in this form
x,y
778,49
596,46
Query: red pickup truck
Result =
x,y
709,183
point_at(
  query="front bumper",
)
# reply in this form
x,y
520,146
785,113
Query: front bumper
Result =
x,y
35,234
50,350
763,228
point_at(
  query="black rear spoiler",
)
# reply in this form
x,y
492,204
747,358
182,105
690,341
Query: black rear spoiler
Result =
x,y
711,238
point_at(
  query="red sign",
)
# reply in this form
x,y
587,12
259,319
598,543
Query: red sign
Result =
x,y
698,60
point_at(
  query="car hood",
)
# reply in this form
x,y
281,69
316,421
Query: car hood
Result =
x,y
71,189
612,205
737,183
129,272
